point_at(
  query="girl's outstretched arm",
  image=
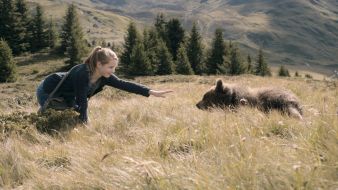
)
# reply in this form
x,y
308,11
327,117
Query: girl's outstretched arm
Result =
x,y
136,88
159,93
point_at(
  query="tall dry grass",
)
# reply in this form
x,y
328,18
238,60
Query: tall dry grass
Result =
x,y
134,142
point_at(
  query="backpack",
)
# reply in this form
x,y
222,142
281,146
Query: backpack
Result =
x,y
56,103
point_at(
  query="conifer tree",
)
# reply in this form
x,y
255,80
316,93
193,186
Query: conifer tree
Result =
x,y
262,68
145,38
297,74
250,69
160,26
21,35
182,64
195,51
151,40
140,65
71,27
216,63
72,40
283,72
165,65
129,43
175,36
7,64
39,38
236,63
51,35
8,25
75,51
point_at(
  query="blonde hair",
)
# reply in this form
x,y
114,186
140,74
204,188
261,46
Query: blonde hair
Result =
x,y
100,54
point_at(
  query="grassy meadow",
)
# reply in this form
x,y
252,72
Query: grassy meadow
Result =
x,y
133,142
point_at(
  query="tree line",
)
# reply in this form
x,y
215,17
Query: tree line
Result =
x,y
166,48
163,49
24,31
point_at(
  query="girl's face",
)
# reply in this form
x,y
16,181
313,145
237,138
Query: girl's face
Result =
x,y
108,69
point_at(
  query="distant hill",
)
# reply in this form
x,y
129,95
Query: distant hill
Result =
x,y
300,33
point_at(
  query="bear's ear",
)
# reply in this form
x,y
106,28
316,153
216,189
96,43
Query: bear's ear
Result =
x,y
219,85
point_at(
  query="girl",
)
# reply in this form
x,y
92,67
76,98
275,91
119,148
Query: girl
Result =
x,y
87,79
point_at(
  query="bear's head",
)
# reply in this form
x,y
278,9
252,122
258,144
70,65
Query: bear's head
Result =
x,y
219,96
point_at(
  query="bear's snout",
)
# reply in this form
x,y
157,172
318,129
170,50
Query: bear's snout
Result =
x,y
204,105
199,105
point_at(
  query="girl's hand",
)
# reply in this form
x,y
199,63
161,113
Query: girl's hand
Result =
x,y
159,93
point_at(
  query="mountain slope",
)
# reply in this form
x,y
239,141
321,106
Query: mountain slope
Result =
x,y
297,32
294,32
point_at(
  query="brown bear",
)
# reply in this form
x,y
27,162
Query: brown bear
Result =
x,y
265,99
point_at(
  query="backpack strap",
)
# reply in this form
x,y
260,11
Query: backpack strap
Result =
x,y
44,107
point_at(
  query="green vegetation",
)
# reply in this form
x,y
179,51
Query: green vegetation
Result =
x,y
72,38
216,64
134,142
195,51
283,72
262,68
236,63
174,143
39,39
7,64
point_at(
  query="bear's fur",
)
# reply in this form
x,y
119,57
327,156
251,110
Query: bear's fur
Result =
x,y
265,99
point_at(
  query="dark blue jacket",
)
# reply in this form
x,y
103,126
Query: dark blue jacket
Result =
x,y
75,89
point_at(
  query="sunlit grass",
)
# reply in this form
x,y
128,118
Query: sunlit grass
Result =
x,y
133,142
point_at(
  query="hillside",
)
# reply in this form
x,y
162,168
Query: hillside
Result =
x,y
302,34
97,24
134,142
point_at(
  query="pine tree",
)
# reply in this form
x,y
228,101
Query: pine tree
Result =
x,y
129,44
72,41
236,63
21,35
182,64
71,26
297,74
308,76
216,63
175,36
14,22
140,65
10,28
165,65
51,35
75,51
7,64
230,46
160,25
283,72
250,68
21,9
195,51
145,38
262,68
39,38
151,41
6,19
